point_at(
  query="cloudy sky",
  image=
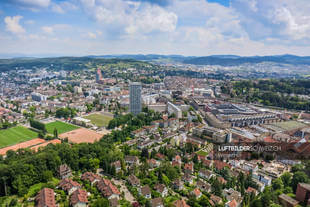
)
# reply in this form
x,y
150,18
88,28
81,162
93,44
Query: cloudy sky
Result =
x,y
186,27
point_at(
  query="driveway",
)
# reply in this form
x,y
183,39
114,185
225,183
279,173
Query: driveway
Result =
x,y
124,189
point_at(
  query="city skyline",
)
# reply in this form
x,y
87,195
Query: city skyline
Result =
x,y
192,27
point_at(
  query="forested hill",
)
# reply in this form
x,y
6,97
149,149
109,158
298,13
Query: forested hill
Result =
x,y
228,60
64,63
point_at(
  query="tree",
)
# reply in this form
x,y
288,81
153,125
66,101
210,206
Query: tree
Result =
x,y
55,133
47,176
277,184
101,202
38,125
286,178
298,177
145,153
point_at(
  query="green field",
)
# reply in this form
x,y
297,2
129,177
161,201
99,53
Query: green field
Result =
x,y
16,135
99,119
202,153
61,127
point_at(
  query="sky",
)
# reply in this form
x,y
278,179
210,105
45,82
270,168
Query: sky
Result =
x,y
183,27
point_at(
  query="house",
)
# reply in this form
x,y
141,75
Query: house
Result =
x,y
231,194
153,163
175,163
180,203
161,188
177,184
69,185
216,200
107,189
131,160
206,174
79,198
220,165
189,168
145,191
232,203
187,178
113,202
203,186
222,180
133,180
251,190
91,177
157,202
64,171
150,129
139,132
45,197
287,201
118,166
160,156
207,163
197,193
303,193
177,158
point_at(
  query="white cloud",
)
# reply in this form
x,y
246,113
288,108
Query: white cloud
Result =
x,y
62,7
131,17
279,19
12,25
48,30
91,35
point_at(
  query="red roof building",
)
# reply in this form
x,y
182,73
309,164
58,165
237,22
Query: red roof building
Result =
x,y
45,198
78,198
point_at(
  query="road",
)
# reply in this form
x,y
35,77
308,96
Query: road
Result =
x,y
128,195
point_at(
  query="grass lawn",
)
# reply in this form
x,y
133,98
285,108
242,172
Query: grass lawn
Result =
x,y
99,119
61,127
16,135
202,153
33,190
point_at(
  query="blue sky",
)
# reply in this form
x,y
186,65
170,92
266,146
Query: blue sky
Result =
x,y
186,27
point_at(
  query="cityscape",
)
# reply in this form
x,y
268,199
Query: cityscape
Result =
x,y
110,117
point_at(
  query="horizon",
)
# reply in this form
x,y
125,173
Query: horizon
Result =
x,y
18,56
188,28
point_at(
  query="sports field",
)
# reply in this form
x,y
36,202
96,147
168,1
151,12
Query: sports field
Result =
x,y
15,135
61,127
99,120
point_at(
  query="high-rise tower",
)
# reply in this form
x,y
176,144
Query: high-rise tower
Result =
x,y
135,98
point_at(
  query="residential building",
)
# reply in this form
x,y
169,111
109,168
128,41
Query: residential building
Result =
x,y
79,198
45,198
287,201
157,202
145,191
64,171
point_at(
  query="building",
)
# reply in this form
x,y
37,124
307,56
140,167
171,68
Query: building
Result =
x,y
38,97
45,197
107,189
157,202
287,201
303,193
135,98
64,171
180,203
145,191
79,198
69,185
173,109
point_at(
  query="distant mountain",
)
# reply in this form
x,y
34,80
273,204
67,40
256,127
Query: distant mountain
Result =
x,y
148,57
228,60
